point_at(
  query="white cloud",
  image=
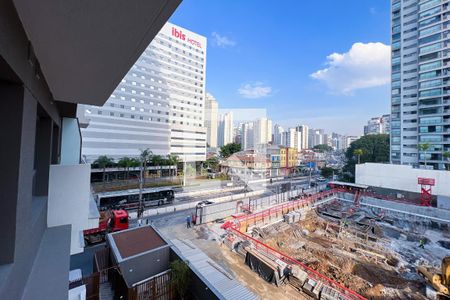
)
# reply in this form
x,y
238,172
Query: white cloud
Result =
x,y
222,41
363,66
255,90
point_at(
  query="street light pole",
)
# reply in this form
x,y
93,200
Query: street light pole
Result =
x,y
184,170
140,192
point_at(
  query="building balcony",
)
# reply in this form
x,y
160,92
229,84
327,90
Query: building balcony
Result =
x,y
70,201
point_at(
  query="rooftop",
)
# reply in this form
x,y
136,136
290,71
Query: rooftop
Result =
x,y
136,241
223,285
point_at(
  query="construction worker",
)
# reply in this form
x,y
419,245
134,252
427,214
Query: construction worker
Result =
x,y
344,223
188,221
422,243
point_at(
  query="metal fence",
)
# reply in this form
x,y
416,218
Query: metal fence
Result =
x,y
158,287
102,263
242,222
92,283
216,211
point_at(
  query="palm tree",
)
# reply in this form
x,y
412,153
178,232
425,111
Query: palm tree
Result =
x,y
446,154
144,158
173,161
424,148
157,160
102,162
358,153
126,163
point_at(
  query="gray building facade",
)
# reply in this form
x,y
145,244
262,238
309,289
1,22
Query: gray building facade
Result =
x,y
54,55
420,101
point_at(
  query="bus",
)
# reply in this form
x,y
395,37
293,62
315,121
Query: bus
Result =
x,y
129,199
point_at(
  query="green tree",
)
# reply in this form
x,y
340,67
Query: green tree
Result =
x,y
157,160
446,155
190,170
212,163
229,149
322,148
424,148
103,162
375,148
358,153
144,157
173,160
328,172
126,163
180,277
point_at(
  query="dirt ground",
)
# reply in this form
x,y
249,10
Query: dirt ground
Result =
x,y
381,269
365,266
207,238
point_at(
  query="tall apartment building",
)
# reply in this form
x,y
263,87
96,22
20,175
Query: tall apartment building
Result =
x,y
293,139
315,137
247,136
211,120
420,102
347,140
225,130
278,136
378,125
262,129
304,130
158,105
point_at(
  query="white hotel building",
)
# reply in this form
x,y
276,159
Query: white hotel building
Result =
x,y
158,105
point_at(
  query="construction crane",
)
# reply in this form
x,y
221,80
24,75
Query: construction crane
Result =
x,y
439,281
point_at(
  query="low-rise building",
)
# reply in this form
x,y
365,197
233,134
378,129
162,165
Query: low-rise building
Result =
x,y
137,265
273,153
247,165
288,160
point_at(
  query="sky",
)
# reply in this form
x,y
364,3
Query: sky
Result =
x,y
325,63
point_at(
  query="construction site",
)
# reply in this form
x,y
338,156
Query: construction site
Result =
x,y
342,243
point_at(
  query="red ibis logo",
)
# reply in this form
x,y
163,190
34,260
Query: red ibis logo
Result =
x,y
178,34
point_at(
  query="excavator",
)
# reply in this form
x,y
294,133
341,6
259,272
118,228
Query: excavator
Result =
x,y
440,281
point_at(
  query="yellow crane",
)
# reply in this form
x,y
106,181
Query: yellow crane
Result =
x,y
440,281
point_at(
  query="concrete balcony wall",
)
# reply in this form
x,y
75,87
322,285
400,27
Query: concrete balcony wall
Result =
x,y
69,198
70,142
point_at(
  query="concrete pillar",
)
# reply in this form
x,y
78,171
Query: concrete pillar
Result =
x,y
17,133
43,148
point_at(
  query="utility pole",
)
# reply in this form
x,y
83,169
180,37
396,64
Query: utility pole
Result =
x,y
184,170
141,180
310,170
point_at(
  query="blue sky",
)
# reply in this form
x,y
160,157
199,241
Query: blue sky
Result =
x,y
278,55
